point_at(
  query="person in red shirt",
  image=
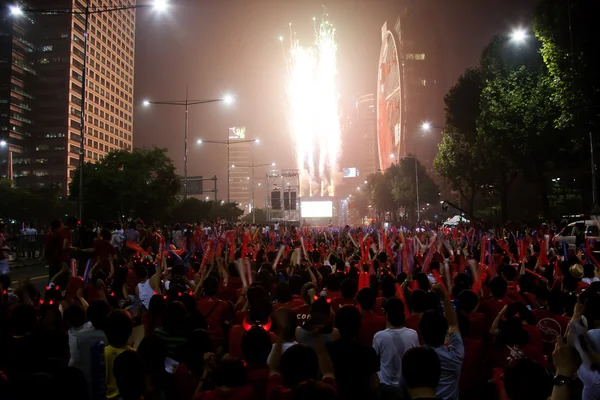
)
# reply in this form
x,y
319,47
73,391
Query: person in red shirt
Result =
x,y
256,346
420,302
333,286
550,318
388,290
492,306
230,382
260,309
348,290
196,361
467,303
299,366
228,291
217,312
370,322
309,291
284,297
104,254
254,292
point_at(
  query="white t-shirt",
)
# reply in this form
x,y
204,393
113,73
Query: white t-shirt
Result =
x,y
390,345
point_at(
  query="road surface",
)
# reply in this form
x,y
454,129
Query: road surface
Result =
x,y
37,273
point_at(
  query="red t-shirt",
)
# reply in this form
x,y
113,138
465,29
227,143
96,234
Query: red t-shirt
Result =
x,y
378,308
340,302
412,322
238,393
371,323
332,294
216,313
302,313
65,234
290,305
491,308
473,368
229,292
552,326
235,341
276,390
239,317
477,326
258,377
185,382
102,251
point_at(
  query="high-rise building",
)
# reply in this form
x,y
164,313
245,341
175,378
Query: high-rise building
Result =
x,y
240,160
409,90
46,79
366,127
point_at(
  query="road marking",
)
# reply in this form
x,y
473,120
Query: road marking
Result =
x,y
34,279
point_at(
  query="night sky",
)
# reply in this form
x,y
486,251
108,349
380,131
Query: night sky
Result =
x,y
232,46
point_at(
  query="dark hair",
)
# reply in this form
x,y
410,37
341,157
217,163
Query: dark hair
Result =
x,y
54,344
141,272
283,292
290,319
433,327
314,390
231,372
512,332
467,301
305,289
255,291
348,288
498,287
23,319
394,311
366,298
524,379
72,221
348,321
174,319
75,315
296,283
299,363
210,286
508,272
388,286
256,345
421,368
153,351
333,282
128,370
197,345
97,313
118,328
260,309
418,301
320,310
423,281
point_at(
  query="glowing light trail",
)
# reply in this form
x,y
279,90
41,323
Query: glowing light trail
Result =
x,y
313,109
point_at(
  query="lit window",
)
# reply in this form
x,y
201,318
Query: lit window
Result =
x,y
420,56
47,48
424,82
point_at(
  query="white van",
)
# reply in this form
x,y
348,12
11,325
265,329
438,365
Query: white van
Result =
x,y
573,234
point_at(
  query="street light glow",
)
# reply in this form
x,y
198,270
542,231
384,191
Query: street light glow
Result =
x,y
160,5
426,126
518,35
3,143
256,140
272,164
16,11
392,155
146,103
199,141
228,99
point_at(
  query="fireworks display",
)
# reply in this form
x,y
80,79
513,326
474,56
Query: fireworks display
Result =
x,y
313,109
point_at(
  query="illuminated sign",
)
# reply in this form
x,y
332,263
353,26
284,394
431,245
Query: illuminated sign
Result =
x,y
237,132
350,172
317,209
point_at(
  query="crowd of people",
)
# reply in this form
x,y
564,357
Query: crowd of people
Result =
x,y
244,312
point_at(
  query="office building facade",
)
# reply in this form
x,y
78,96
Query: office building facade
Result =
x,y
48,151
240,160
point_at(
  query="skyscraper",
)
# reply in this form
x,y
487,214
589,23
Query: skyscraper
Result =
x,y
240,160
366,126
409,89
50,55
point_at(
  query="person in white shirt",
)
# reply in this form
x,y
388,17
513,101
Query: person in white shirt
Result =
x,y
390,345
117,237
30,236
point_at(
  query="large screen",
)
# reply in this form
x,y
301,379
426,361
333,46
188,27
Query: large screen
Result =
x,y
350,172
317,209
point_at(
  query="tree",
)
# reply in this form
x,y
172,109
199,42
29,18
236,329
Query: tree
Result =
x,y
191,210
260,216
461,157
137,184
358,207
403,178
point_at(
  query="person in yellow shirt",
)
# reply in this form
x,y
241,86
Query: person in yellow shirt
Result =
x,y
118,329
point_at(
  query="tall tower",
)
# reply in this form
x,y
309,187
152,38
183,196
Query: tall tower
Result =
x,y
57,41
240,159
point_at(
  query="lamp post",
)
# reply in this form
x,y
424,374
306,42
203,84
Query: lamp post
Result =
x,y
9,169
17,11
228,143
186,104
253,166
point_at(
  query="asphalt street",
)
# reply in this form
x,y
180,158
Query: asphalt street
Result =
x,y
37,274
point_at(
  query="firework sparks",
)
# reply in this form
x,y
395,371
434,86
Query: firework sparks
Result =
x,y
313,102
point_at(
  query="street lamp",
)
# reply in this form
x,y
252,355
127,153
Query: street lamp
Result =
x,y
252,166
518,35
3,144
187,103
89,9
227,143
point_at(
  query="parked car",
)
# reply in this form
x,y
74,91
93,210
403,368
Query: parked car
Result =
x,y
574,234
